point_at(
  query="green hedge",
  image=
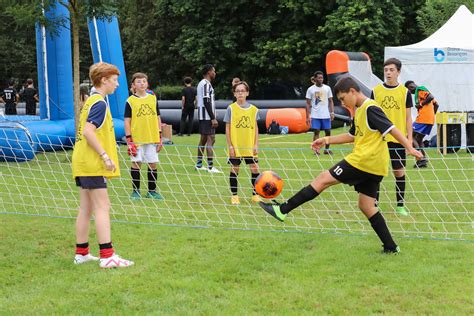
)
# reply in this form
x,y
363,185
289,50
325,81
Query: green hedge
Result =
x,y
168,92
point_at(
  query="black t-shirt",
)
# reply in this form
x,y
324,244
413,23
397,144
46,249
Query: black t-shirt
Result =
x,y
377,120
9,95
128,110
29,95
189,94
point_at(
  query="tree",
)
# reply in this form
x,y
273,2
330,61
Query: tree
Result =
x,y
436,12
363,26
32,10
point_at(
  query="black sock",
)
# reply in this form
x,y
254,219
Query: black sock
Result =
x,y
400,188
210,163
304,195
84,245
106,245
135,179
380,227
233,183
152,175
254,178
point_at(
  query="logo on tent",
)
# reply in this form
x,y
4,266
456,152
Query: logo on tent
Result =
x,y
439,55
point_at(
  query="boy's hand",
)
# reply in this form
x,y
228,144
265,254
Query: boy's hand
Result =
x,y
255,151
214,123
231,152
109,164
413,152
159,146
318,143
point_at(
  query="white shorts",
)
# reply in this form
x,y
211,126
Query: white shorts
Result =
x,y
146,153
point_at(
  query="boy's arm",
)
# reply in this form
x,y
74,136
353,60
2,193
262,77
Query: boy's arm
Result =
x,y
331,108
409,123
339,139
308,111
93,141
405,142
229,141
127,125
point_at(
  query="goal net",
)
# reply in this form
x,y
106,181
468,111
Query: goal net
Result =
x,y
439,198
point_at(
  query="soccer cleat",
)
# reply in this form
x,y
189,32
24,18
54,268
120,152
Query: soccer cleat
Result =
x,y
395,250
327,152
154,195
115,262
235,200
256,198
273,210
135,196
80,259
401,210
200,168
214,170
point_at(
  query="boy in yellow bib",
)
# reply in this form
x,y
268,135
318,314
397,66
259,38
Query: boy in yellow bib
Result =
x,y
94,160
143,133
395,100
364,168
241,132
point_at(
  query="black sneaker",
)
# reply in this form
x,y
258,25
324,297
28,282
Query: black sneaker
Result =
x,y
387,250
273,210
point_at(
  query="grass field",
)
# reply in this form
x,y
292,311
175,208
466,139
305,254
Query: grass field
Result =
x,y
246,263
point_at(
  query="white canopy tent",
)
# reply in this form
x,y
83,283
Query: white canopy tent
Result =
x,y
444,62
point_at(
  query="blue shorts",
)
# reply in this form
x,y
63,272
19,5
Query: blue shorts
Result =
x,y
320,124
420,128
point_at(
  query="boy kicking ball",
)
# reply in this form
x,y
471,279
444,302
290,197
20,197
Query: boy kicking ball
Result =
x,y
364,168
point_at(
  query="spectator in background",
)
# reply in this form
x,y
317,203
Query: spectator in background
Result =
x,y
427,106
30,95
188,104
319,108
10,97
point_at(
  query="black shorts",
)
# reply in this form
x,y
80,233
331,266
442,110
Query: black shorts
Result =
x,y
398,156
205,128
96,182
238,160
10,109
363,182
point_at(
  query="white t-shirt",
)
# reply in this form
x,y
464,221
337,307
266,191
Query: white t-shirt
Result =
x,y
205,90
319,97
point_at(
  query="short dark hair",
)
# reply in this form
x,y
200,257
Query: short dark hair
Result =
x,y
187,80
29,81
409,82
345,84
393,61
245,84
11,82
316,73
206,68
139,75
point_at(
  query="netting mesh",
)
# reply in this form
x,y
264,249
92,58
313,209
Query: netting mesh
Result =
x,y
440,198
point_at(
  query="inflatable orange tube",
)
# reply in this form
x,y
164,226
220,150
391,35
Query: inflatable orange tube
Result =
x,y
295,119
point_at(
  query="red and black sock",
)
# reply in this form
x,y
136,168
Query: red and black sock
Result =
x,y
82,249
106,250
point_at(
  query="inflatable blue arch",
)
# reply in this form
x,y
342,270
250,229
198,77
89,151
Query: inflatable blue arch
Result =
x,y
21,136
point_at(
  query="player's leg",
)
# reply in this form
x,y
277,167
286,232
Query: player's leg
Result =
x,y
211,139
200,150
182,123
190,121
255,172
82,229
377,221
135,174
101,205
323,181
398,166
418,143
151,158
233,180
327,132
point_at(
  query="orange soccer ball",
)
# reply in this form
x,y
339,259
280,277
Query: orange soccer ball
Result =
x,y
268,184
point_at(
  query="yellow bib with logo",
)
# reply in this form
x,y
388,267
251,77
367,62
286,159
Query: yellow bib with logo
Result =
x,y
144,121
85,160
393,102
242,129
370,153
